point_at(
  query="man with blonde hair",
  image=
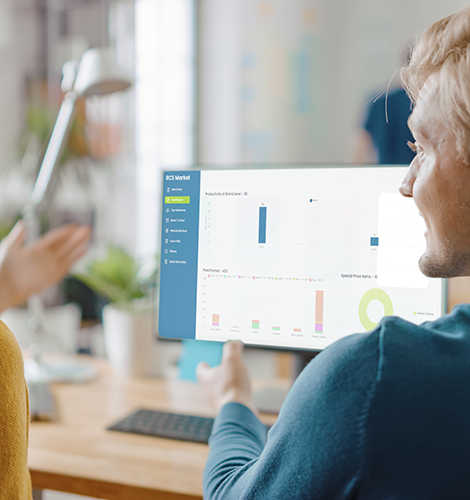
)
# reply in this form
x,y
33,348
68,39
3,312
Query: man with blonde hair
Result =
x,y
384,414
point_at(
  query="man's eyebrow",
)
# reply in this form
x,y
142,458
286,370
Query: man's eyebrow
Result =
x,y
418,128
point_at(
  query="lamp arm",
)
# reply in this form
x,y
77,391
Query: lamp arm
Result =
x,y
30,212
54,148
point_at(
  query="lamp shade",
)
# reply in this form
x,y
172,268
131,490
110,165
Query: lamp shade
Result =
x,y
99,74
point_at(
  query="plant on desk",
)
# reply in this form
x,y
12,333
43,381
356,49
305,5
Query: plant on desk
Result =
x,y
128,319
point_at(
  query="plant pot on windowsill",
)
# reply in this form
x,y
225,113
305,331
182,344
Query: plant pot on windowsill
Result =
x,y
131,345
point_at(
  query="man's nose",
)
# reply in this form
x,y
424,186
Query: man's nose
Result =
x,y
406,187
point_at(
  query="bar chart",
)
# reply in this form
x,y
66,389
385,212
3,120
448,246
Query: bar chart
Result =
x,y
263,309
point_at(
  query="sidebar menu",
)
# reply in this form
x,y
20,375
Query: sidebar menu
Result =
x,y
179,254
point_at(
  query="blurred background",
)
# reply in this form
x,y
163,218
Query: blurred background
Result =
x,y
216,81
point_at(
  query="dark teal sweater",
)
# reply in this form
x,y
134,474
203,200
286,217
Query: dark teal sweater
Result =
x,y
383,415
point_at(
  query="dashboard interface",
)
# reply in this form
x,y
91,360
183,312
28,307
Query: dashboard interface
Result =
x,y
291,258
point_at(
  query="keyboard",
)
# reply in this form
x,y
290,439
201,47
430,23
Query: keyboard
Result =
x,y
41,401
166,425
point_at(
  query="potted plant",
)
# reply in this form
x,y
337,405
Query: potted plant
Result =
x,y
128,318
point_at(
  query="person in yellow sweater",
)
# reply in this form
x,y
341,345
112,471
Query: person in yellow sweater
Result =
x,y
24,271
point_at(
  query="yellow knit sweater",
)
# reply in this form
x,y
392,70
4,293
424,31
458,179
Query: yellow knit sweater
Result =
x,y
15,482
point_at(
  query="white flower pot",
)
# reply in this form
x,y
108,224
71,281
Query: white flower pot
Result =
x,y
129,337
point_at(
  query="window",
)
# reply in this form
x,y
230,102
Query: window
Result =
x,y
164,93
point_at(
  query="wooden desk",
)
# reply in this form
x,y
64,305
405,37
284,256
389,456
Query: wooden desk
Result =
x,y
77,455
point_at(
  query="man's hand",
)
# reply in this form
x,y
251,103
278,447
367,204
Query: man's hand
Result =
x,y
229,382
27,270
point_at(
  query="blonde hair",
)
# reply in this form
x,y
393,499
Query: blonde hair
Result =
x,y
445,48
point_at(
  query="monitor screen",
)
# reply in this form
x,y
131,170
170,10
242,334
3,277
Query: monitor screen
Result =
x,y
290,257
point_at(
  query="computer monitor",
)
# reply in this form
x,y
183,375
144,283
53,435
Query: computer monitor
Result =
x,y
293,257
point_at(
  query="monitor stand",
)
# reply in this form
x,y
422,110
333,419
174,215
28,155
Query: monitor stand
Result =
x,y
270,399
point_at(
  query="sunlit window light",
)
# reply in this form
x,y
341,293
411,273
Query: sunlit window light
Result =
x,y
164,88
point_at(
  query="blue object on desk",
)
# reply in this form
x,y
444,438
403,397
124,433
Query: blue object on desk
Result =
x,y
195,351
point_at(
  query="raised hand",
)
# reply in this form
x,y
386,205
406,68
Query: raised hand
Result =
x,y
29,269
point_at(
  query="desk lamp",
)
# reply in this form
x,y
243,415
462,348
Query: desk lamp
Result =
x,y
96,74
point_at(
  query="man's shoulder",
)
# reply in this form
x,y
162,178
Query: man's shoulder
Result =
x,y
450,328
394,339
393,329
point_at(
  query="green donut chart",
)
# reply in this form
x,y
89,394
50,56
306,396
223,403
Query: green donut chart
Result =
x,y
367,298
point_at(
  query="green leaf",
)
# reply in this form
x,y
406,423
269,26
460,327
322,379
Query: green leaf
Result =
x,y
117,277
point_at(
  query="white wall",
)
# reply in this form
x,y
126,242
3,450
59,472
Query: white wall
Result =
x,y
219,38
287,81
17,36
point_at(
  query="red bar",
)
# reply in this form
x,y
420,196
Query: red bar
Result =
x,y
319,307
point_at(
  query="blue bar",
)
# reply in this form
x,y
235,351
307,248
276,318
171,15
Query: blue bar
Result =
x,y
374,242
262,224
